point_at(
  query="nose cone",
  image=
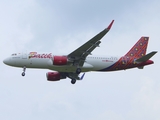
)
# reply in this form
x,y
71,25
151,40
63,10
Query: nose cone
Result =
x,y
6,61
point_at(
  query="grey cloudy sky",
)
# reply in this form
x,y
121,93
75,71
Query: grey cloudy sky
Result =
x,y
62,26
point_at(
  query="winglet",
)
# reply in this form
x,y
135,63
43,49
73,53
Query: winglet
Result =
x,y
82,76
110,25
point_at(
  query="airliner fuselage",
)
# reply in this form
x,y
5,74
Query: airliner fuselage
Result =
x,y
92,63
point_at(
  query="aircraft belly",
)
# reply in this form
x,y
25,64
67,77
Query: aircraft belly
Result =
x,y
35,63
68,68
104,65
100,64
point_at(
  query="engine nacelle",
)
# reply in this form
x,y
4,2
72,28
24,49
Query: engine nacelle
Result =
x,y
55,76
60,60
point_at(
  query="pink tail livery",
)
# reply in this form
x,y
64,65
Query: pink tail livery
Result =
x,y
136,57
139,49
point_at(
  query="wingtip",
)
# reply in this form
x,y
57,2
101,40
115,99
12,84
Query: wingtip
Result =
x,y
110,25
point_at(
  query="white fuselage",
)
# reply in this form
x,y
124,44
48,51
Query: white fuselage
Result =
x,y
45,61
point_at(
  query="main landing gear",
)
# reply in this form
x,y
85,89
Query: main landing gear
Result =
x,y
73,81
24,70
78,71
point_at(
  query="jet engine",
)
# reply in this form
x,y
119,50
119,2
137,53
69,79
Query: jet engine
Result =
x,y
60,60
55,76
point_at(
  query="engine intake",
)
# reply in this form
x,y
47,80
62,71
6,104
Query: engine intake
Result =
x,y
55,76
60,60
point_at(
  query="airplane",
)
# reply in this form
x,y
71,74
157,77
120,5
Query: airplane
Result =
x,y
81,60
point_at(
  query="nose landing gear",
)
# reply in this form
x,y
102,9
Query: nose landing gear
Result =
x,y
24,70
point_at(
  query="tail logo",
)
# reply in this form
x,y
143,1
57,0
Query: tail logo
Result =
x,y
139,49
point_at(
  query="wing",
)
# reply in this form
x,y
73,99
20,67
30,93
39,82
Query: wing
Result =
x,y
78,56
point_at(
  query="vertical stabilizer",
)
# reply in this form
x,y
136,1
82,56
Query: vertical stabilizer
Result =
x,y
139,49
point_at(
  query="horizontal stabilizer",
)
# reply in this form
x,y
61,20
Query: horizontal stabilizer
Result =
x,y
146,57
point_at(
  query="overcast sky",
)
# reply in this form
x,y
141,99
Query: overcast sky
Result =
x,y
62,26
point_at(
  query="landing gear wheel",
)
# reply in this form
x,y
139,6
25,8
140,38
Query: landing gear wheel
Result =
x,y
24,70
73,81
23,73
78,71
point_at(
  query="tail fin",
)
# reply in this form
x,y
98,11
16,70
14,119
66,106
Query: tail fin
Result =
x,y
139,49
